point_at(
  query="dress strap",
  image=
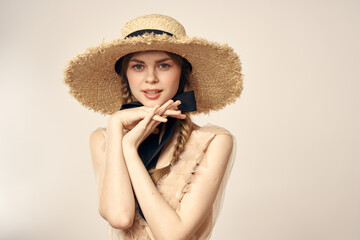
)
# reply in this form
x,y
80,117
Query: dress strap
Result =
x,y
103,130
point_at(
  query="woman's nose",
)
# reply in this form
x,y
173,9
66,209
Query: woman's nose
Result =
x,y
151,76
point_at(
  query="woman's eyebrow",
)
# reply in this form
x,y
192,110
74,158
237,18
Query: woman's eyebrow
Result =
x,y
162,60
136,60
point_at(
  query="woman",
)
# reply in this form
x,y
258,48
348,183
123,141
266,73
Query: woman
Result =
x,y
159,175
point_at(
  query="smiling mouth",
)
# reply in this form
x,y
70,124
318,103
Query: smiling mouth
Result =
x,y
152,92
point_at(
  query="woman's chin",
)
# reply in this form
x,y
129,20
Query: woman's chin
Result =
x,y
153,103
150,104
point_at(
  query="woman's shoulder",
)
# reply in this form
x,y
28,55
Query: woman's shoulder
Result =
x,y
98,134
211,129
100,131
209,135
97,138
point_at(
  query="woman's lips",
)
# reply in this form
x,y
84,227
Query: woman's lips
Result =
x,y
152,93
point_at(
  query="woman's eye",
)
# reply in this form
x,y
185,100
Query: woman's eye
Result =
x,y
137,67
164,65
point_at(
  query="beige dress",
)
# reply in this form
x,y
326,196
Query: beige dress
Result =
x,y
177,183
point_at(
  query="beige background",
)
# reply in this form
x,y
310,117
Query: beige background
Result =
x,y
296,175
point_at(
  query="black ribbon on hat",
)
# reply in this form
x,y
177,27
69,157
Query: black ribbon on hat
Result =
x,y
142,31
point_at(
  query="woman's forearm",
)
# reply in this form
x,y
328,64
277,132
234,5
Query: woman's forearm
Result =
x,y
163,221
116,203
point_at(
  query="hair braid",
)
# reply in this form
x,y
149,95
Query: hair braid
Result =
x,y
126,93
185,129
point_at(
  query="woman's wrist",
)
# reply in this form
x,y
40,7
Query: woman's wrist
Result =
x,y
128,144
129,149
115,123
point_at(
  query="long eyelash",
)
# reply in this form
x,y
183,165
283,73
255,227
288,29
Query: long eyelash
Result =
x,y
137,66
165,65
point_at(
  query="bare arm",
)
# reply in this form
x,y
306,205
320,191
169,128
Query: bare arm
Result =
x,y
116,197
115,194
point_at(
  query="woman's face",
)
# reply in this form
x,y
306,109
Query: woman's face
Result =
x,y
153,77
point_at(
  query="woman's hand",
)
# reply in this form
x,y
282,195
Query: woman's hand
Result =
x,y
129,118
148,124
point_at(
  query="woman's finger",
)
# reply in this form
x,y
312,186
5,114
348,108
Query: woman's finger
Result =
x,y
143,124
150,115
170,112
159,118
174,113
151,125
147,110
174,105
164,107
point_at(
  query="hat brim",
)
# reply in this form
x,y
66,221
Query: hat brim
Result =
x,y
216,76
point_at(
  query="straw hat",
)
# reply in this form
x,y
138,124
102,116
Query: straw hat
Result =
x,y
216,71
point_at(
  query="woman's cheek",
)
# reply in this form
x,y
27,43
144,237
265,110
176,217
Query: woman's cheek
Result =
x,y
134,81
173,79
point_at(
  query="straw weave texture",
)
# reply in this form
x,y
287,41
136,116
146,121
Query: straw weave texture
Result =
x,y
154,21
